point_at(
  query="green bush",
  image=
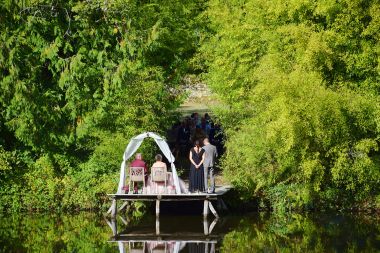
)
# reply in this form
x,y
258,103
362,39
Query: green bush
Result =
x,y
42,188
290,197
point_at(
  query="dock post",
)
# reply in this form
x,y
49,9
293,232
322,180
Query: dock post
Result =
x,y
157,225
205,208
114,208
205,226
157,207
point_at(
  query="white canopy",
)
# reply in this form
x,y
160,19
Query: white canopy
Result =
x,y
132,147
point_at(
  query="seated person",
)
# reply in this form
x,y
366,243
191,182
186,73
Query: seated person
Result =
x,y
138,162
159,162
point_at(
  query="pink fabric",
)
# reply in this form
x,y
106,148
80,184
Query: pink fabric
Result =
x,y
159,187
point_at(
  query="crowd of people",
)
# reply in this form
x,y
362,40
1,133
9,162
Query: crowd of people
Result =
x,y
198,140
193,128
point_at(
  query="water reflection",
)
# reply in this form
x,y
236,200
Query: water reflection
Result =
x,y
112,223
84,232
142,239
133,246
304,233
88,232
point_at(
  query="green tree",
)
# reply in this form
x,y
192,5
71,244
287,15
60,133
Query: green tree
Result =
x,y
79,78
299,86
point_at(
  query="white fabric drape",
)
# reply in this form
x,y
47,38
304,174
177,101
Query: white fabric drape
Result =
x,y
121,247
132,147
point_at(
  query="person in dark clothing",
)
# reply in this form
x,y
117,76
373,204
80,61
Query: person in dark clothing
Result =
x,y
183,133
218,138
211,134
196,178
183,138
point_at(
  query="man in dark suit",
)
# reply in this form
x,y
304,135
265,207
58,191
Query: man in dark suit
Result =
x,y
209,162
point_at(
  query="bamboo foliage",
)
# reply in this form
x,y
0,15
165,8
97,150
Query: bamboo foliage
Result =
x,y
299,82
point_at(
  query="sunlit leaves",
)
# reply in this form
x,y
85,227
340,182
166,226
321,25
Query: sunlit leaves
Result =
x,y
75,74
299,85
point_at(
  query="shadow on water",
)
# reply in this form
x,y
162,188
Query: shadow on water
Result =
x,y
256,232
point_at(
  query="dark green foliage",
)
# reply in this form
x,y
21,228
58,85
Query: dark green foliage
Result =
x,y
303,233
299,83
77,81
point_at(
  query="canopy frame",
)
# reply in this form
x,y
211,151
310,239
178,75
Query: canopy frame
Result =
x,y
133,146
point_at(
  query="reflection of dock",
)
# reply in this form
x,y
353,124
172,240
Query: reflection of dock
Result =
x,y
163,246
145,239
206,197
195,238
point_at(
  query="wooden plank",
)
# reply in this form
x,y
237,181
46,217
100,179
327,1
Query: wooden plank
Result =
x,y
170,195
167,200
112,225
166,195
221,190
212,225
163,236
169,240
114,209
179,196
164,199
123,220
157,226
205,226
213,210
123,206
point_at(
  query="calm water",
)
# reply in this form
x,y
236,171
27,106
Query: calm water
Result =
x,y
88,232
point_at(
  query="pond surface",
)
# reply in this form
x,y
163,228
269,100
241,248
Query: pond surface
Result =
x,y
89,232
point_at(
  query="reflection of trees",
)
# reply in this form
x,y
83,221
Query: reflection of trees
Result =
x,y
297,233
51,233
87,232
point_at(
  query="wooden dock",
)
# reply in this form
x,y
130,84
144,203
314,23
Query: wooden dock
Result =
x,y
205,197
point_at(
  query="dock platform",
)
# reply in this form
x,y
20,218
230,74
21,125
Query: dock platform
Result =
x,y
206,197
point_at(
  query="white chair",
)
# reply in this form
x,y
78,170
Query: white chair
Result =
x,y
136,174
158,174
